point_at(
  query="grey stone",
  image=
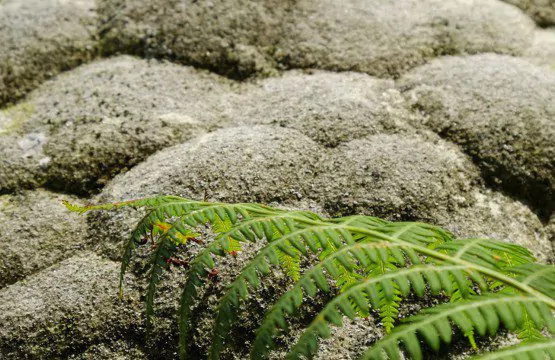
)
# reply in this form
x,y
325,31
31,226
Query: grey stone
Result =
x,y
542,11
226,37
542,51
37,231
550,229
495,216
256,163
500,110
330,108
399,177
40,38
244,38
387,38
79,130
64,308
118,350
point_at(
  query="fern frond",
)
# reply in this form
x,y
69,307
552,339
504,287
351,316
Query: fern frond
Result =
x,y
388,309
152,202
276,228
537,350
482,314
537,276
311,281
368,293
529,332
260,265
373,263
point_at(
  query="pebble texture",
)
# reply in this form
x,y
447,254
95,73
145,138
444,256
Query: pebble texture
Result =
x,y
431,110
500,110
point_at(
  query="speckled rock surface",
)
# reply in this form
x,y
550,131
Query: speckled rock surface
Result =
x,y
397,177
495,216
323,34
542,51
77,131
40,38
328,107
542,11
500,110
383,40
260,163
36,232
226,37
432,110
64,308
118,350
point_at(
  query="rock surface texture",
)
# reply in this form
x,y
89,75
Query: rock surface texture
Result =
x,y
440,111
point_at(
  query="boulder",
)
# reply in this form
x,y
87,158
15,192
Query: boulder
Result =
x,y
80,129
398,177
240,164
245,38
65,308
496,216
37,231
500,110
328,107
40,38
542,11
542,51
390,37
226,37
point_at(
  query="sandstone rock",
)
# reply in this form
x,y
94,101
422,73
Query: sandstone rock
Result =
x,y
77,131
37,231
390,37
65,308
500,110
542,11
40,38
396,177
330,108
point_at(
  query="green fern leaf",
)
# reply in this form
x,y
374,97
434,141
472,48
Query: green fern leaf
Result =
x,y
373,263
370,289
482,314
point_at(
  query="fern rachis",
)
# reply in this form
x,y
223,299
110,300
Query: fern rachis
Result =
x,y
375,264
